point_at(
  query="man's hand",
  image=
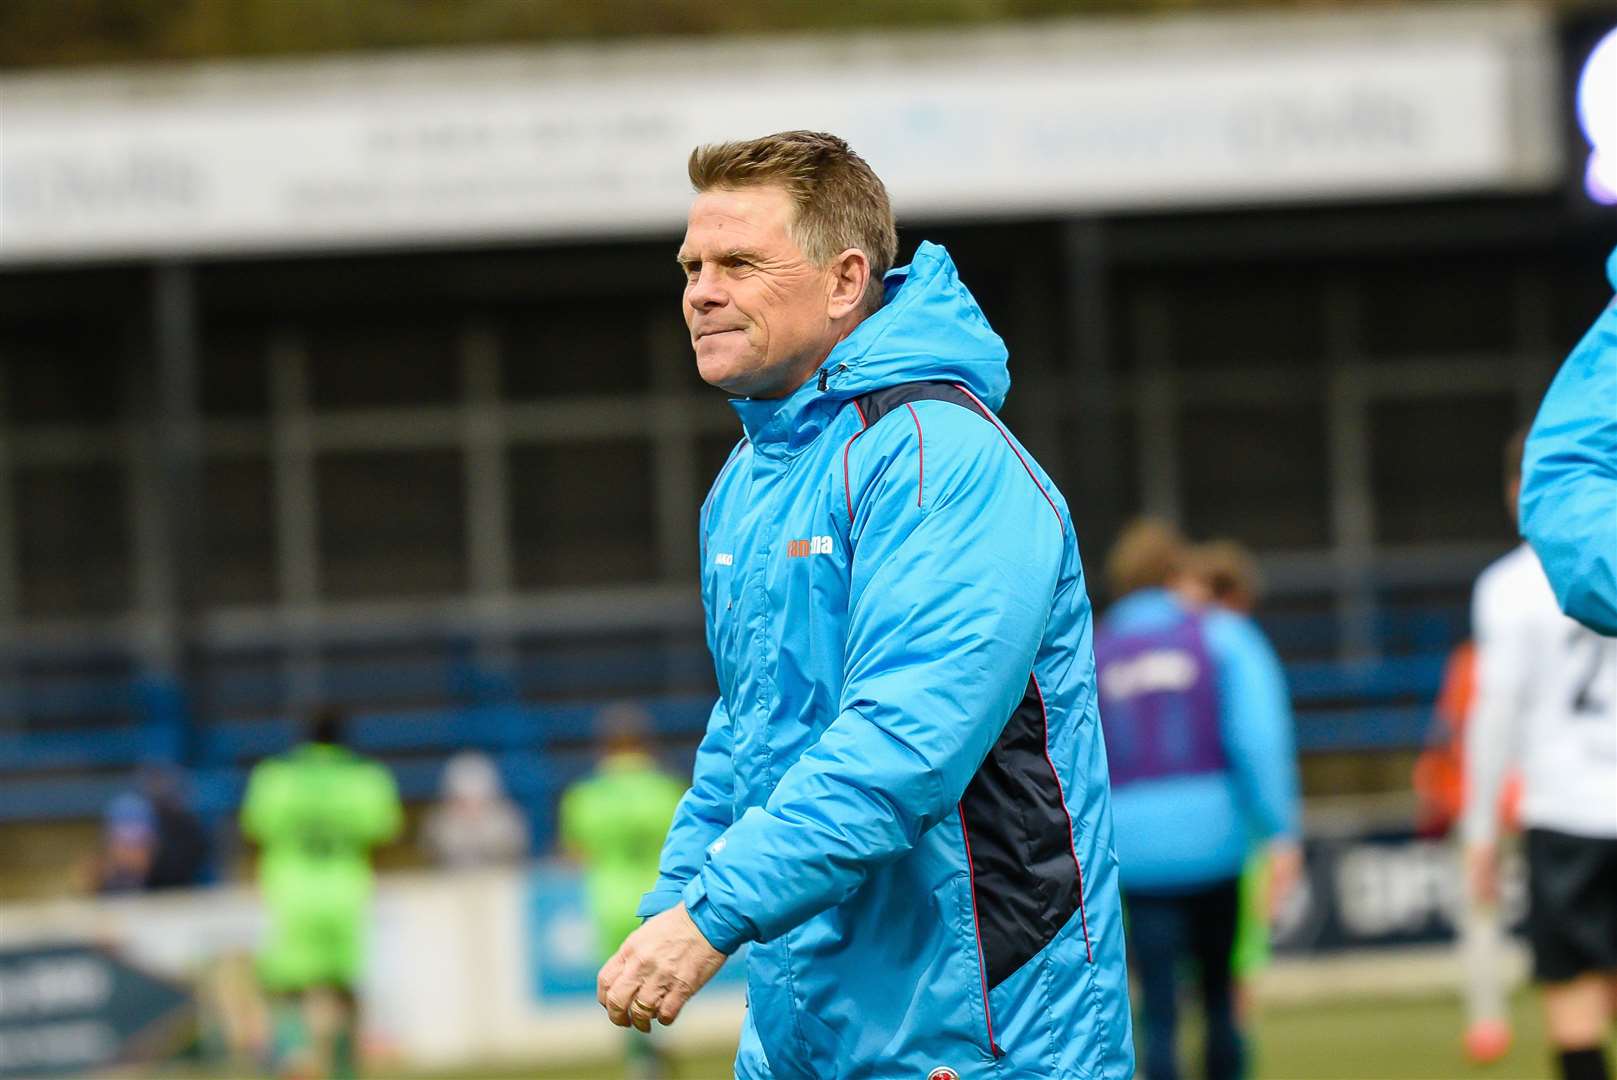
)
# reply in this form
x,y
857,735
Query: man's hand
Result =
x,y
1285,874
656,971
1482,873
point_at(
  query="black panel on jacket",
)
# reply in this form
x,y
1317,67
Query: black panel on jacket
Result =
x,y
1024,873
878,403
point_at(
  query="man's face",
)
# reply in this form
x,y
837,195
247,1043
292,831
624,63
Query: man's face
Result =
x,y
756,308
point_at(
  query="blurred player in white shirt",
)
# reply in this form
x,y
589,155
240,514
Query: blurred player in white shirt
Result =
x,y
1546,700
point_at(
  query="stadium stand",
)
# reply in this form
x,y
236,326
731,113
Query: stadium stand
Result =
x,y
83,735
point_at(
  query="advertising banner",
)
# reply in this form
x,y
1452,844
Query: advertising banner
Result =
x,y
1385,889
69,1009
511,145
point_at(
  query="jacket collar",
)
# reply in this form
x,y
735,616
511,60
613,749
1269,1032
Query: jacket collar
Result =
x,y
785,425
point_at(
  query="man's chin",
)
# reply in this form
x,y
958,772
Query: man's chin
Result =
x,y
727,372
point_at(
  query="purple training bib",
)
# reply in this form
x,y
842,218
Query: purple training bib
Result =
x,y
1158,703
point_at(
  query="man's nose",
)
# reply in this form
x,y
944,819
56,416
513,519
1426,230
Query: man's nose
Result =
x,y
704,292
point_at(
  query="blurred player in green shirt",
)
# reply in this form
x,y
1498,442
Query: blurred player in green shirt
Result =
x,y
613,822
316,812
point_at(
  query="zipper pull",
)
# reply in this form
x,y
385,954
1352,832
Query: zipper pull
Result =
x,y
826,373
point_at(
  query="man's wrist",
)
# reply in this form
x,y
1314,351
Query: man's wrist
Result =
x,y
660,899
723,935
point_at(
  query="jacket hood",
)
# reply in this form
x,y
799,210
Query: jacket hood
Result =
x,y
929,328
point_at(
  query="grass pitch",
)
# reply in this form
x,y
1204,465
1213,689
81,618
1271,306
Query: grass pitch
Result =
x,y
1404,1039
1350,1039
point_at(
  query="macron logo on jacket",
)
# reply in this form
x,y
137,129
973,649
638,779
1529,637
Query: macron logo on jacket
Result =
x,y
814,545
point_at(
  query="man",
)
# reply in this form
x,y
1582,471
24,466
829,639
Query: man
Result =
x,y
474,825
613,822
152,840
128,844
1546,697
316,812
1569,502
182,857
901,797
1198,725
1226,573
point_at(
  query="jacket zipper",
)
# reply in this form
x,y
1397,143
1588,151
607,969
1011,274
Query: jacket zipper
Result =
x,y
827,372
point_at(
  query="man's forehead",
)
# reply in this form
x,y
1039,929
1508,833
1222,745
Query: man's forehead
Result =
x,y
727,218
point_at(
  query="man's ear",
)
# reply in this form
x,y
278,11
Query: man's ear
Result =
x,y
850,273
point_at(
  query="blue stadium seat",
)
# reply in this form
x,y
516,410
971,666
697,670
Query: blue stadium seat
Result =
x,y
59,797
98,748
1338,730
447,703
1366,680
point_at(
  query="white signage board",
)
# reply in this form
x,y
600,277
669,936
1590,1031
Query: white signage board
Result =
x,y
591,141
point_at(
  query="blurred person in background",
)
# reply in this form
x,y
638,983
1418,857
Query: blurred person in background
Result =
x,y
1569,499
1546,697
128,846
474,824
613,823
151,840
1440,786
316,813
183,858
901,798
1439,773
1226,573
1199,738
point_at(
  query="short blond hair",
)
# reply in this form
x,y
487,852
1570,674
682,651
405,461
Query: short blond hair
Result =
x,y
1148,554
841,203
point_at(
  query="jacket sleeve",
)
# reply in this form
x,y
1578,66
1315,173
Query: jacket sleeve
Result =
x,y
955,555
701,816
1569,479
1256,721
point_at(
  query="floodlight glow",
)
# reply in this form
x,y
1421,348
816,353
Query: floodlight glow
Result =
x,y
1600,179
1597,115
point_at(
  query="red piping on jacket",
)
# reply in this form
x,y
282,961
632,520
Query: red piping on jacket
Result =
x,y
989,416
920,445
847,488
977,933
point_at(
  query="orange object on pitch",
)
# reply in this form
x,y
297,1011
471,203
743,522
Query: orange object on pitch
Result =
x,y
1439,775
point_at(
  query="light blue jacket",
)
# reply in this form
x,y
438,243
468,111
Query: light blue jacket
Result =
x,y
1569,476
1186,832
901,798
